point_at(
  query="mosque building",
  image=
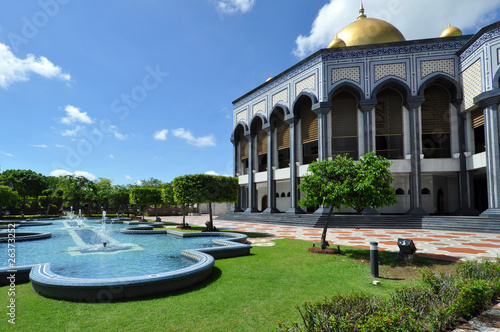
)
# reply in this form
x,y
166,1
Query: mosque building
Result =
x,y
430,106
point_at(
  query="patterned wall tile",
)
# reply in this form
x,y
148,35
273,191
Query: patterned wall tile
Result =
x,y
280,96
241,116
393,69
498,56
306,83
471,83
350,73
446,66
259,107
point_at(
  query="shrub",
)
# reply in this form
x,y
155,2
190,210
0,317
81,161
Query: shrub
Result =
x,y
434,304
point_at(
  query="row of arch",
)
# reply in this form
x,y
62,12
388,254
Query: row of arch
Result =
x,y
397,84
343,114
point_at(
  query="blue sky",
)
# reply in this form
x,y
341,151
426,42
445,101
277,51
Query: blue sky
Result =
x,y
133,89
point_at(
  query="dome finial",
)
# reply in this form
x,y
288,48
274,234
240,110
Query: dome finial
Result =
x,y
451,31
361,11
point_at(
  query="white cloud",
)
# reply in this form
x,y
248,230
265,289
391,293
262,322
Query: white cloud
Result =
x,y
42,146
211,173
13,69
138,182
111,156
7,154
160,135
196,141
412,18
73,132
128,177
235,6
87,175
62,172
114,130
75,115
60,146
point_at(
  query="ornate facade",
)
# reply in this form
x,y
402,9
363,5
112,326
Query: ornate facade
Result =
x,y
430,106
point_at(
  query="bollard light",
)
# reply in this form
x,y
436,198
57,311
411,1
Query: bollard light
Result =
x,y
374,259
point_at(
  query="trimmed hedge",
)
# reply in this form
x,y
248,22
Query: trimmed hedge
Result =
x,y
435,304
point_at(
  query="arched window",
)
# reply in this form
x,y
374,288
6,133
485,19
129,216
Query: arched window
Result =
x,y
477,117
243,154
389,141
344,124
426,191
282,140
435,114
400,191
309,132
261,147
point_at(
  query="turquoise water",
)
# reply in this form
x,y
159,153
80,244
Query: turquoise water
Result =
x,y
79,251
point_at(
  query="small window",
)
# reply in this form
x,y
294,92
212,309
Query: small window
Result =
x,y
283,194
426,191
400,191
288,195
277,194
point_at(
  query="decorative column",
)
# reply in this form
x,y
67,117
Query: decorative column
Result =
x,y
236,172
271,183
367,106
294,192
489,101
464,179
322,109
416,209
252,192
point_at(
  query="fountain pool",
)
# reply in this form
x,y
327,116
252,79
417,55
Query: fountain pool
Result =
x,y
84,261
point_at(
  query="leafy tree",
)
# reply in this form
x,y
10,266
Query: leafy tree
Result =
x,y
205,188
167,194
151,183
341,182
8,197
78,191
104,189
373,183
26,182
145,196
119,197
50,197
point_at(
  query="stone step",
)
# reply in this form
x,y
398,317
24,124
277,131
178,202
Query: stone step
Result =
x,y
445,223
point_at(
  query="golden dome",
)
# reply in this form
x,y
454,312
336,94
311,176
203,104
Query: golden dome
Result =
x,y
451,31
336,42
367,31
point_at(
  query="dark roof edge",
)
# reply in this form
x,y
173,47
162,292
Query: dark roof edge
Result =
x,y
477,35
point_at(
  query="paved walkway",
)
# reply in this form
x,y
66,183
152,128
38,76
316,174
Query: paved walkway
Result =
x,y
438,244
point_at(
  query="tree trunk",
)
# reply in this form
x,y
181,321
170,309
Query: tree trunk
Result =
x,y
210,212
323,236
183,206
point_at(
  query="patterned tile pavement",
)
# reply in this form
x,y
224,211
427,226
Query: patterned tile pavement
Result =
x,y
438,244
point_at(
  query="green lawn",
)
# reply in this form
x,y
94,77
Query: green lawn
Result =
x,y
243,294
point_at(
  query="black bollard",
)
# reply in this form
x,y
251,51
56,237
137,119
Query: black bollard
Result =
x,y
374,259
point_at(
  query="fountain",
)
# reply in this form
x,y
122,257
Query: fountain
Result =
x,y
100,263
